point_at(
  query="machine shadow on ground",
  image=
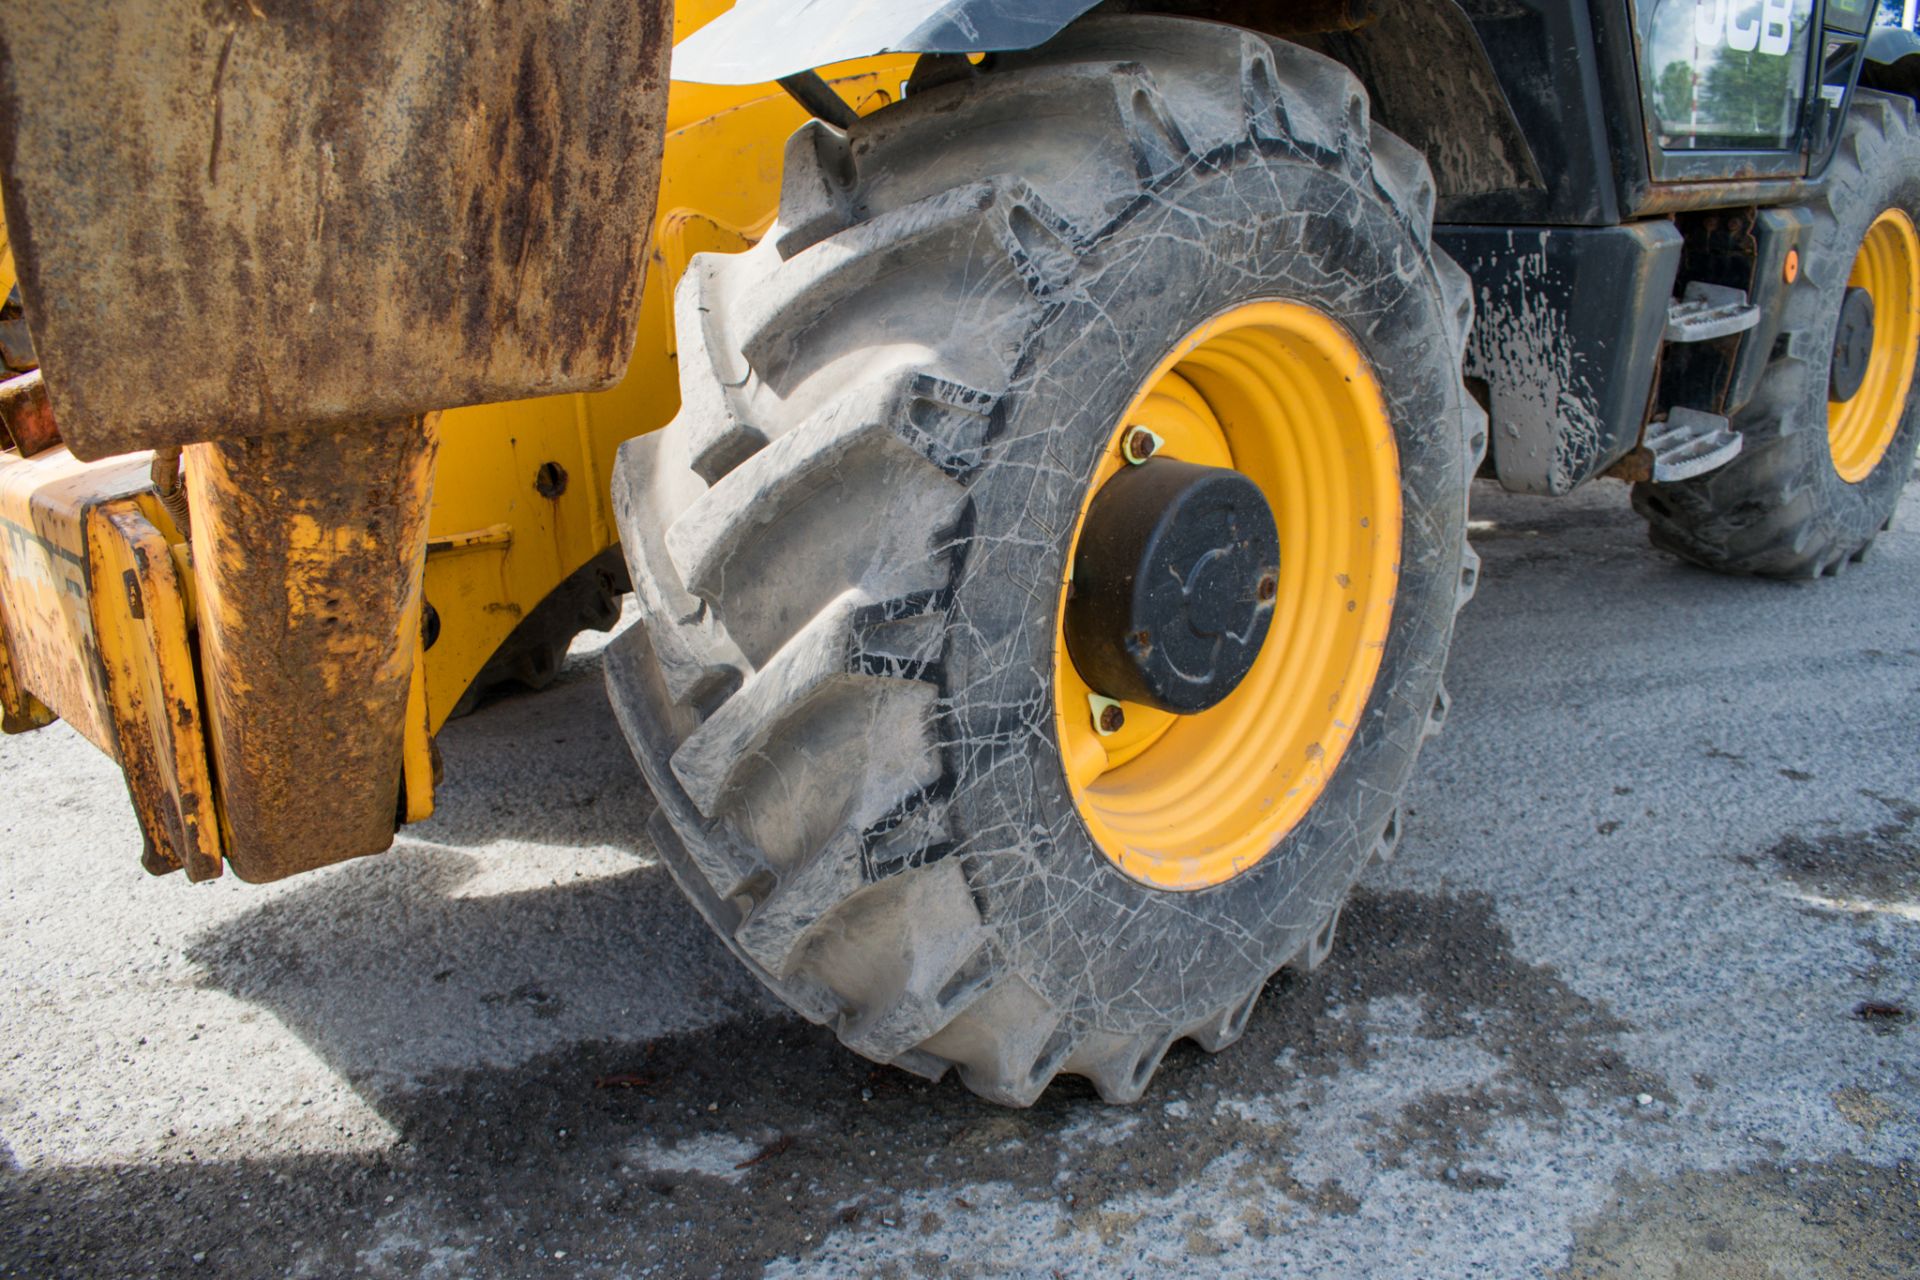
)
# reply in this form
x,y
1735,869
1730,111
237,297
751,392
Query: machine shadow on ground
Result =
x,y
735,1144
538,1134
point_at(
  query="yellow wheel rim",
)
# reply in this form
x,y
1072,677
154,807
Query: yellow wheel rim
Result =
x,y
1279,392
1888,268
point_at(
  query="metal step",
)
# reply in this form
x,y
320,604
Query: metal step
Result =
x,y
1691,442
1708,311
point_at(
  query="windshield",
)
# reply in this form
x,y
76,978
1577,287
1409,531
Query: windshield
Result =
x,y
1724,74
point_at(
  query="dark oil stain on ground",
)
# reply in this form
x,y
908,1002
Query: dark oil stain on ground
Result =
x,y
1839,1219
1881,864
502,1168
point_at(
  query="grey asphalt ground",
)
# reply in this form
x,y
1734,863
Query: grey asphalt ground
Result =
x,y
1634,1000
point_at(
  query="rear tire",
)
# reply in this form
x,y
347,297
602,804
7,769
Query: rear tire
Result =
x,y
1782,507
846,548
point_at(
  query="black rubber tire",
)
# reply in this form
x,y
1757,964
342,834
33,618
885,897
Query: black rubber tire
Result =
x,y
840,547
1780,509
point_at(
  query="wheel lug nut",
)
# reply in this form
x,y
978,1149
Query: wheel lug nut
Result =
x,y
1111,718
1108,715
1138,445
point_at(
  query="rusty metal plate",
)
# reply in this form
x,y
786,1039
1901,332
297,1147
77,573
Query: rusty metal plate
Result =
x,y
46,587
146,657
238,217
308,554
26,416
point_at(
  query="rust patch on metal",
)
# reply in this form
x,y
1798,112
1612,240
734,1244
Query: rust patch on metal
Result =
x,y
1680,197
26,415
147,665
20,710
1634,466
47,587
309,550
334,211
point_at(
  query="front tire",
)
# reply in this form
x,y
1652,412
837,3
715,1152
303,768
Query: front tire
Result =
x,y
848,548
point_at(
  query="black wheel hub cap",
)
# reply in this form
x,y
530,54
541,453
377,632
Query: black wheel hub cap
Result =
x,y
1852,345
1173,585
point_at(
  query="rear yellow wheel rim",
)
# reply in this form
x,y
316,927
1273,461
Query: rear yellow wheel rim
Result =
x,y
1888,268
1278,391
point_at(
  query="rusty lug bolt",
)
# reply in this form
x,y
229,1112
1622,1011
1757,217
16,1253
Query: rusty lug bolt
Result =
x,y
1138,445
1107,715
1268,587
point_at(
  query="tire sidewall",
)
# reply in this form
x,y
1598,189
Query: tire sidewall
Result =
x,y
1106,947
